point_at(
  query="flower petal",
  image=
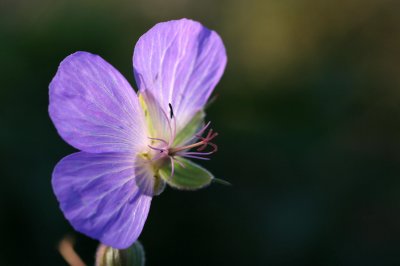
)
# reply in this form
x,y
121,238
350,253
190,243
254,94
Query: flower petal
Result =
x,y
180,62
147,180
99,196
158,123
94,108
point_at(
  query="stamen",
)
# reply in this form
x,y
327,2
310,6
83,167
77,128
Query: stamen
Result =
x,y
167,149
201,145
198,134
172,116
171,111
174,131
171,132
207,139
157,149
155,158
194,157
198,153
163,141
172,166
179,162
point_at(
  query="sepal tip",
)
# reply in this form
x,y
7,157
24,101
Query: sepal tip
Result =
x,y
221,181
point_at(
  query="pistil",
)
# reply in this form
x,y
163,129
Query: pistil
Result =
x,y
164,149
203,144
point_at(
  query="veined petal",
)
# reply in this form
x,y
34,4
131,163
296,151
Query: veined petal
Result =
x,y
93,106
99,196
149,182
158,123
180,62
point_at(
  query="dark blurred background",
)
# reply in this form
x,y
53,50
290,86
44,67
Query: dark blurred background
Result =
x,y
308,115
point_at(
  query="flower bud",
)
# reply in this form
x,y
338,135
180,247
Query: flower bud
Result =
x,y
132,256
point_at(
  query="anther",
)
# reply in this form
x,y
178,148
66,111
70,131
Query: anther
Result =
x,y
171,111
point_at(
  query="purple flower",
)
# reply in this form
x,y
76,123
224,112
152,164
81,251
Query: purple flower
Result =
x,y
132,145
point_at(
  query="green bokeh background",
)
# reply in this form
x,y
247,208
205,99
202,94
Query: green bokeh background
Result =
x,y
309,120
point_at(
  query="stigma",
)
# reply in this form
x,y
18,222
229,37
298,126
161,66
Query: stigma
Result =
x,y
203,141
199,146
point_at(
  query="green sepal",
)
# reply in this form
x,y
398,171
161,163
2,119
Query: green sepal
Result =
x,y
191,128
132,256
190,177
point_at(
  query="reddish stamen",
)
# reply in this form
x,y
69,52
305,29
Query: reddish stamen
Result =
x,y
207,140
198,134
202,144
165,149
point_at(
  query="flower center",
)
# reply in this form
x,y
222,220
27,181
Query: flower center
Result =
x,y
163,149
202,144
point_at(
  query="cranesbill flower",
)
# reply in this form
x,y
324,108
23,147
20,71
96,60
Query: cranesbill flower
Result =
x,y
131,144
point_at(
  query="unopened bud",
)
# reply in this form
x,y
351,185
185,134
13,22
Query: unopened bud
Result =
x,y
132,256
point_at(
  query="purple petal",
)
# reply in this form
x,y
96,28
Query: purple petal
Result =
x,y
180,62
94,108
99,196
158,121
148,182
